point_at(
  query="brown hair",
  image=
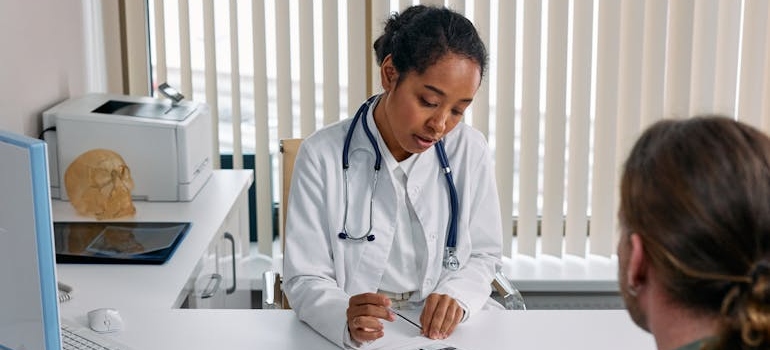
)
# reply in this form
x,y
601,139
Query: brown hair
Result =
x,y
697,192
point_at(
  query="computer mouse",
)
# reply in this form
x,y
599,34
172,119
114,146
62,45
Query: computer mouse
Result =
x,y
105,320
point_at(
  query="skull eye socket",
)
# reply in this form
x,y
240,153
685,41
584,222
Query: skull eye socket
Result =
x,y
100,177
122,172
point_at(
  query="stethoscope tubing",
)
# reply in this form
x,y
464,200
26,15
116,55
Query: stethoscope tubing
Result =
x,y
453,201
450,260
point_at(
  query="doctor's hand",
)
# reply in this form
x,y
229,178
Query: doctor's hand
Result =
x,y
440,316
364,312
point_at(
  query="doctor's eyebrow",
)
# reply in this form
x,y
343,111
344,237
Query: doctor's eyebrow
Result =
x,y
443,94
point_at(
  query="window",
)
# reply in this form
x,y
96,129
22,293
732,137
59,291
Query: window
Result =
x,y
570,86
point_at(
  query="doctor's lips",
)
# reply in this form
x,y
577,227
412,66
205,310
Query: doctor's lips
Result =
x,y
425,141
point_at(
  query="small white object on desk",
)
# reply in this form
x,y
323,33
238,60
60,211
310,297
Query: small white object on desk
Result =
x,y
105,320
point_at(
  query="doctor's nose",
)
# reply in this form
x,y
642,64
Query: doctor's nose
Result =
x,y
437,122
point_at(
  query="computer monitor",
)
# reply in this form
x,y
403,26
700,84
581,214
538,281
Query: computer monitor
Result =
x,y
28,295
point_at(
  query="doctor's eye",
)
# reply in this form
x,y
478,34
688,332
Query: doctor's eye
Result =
x,y
426,103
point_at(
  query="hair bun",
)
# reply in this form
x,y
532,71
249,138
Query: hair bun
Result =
x,y
760,269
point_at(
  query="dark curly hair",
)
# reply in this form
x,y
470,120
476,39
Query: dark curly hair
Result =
x,y
422,35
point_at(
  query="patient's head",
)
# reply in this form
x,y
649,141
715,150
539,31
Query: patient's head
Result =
x,y
695,220
99,184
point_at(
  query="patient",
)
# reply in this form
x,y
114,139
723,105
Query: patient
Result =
x,y
694,250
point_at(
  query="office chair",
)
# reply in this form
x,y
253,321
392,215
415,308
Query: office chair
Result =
x,y
503,290
272,294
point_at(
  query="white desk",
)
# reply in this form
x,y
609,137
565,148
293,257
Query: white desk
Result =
x,y
163,329
147,297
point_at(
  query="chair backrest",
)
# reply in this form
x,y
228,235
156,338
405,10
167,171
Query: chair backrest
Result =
x,y
288,148
273,297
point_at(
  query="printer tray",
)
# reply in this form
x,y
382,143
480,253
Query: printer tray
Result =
x,y
117,242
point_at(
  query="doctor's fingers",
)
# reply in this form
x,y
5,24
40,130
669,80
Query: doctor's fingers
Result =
x,y
368,299
365,328
440,316
370,310
443,322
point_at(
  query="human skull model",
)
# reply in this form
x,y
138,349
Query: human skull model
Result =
x,y
99,184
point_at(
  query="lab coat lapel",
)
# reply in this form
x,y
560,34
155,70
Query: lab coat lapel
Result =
x,y
374,256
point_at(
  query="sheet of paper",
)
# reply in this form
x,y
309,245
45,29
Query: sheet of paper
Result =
x,y
402,335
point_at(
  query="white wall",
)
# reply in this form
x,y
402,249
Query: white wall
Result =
x,y
42,59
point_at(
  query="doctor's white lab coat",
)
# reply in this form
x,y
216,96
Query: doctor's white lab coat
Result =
x,y
322,271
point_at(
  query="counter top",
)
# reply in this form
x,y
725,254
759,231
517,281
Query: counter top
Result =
x,y
153,286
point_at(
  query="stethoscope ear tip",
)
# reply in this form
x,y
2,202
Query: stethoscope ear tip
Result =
x,y
342,235
370,238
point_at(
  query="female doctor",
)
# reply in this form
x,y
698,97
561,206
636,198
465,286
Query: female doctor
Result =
x,y
398,205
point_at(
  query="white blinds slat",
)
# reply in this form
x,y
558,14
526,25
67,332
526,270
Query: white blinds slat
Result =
x,y
579,129
726,74
380,14
432,2
262,166
752,62
653,61
134,35
555,124
703,57
283,67
505,122
160,41
629,77
209,45
678,59
306,68
766,84
480,108
185,67
331,97
459,6
235,87
629,102
530,119
357,52
604,168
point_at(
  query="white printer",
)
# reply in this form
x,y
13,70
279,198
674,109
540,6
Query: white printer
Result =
x,y
167,146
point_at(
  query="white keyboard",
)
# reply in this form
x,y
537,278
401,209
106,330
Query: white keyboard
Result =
x,y
76,337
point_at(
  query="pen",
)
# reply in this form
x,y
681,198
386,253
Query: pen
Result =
x,y
405,318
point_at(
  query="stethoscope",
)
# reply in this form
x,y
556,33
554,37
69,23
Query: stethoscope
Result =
x,y
450,258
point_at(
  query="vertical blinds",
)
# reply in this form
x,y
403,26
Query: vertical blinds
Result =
x,y
571,85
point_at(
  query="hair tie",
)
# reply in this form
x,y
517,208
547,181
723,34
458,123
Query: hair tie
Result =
x,y
760,269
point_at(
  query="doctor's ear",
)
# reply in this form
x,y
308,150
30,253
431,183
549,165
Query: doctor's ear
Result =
x,y
388,74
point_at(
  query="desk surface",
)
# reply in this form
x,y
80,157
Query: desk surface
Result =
x,y
146,296
280,329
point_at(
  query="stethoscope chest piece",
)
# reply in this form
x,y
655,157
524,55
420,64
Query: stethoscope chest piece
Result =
x,y
450,259
344,235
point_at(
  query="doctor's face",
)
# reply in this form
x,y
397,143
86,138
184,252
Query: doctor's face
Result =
x,y
419,109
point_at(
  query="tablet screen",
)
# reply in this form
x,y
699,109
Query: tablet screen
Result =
x,y
117,242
